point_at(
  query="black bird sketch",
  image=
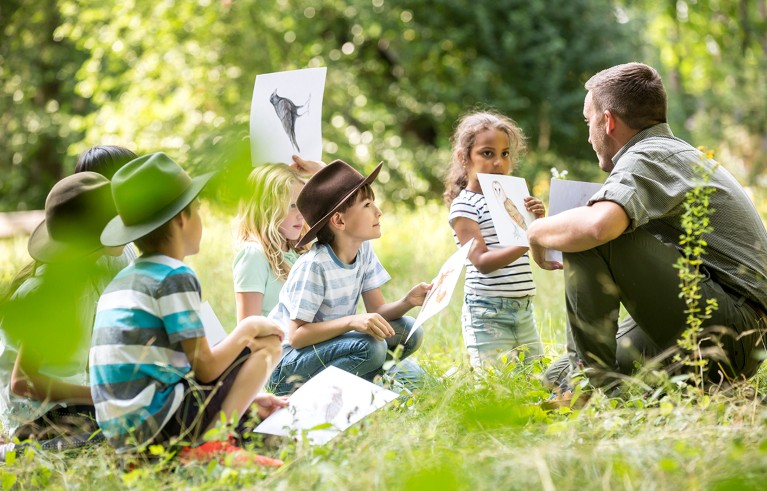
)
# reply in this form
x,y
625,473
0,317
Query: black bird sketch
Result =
x,y
288,112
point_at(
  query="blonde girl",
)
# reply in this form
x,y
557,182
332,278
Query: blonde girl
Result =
x,y
498,320
268,227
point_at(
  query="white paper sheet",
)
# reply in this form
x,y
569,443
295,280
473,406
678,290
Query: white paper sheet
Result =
x,y
286,116
330,402
565,195
505,196
443,286
214,331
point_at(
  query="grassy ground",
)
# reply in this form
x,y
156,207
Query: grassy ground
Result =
x,y
466,431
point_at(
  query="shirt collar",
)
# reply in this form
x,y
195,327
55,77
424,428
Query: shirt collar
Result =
x,y
661,129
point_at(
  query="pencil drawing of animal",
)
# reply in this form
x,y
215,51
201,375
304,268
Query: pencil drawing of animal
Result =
x,y
510,208
437,291
288,112
334,405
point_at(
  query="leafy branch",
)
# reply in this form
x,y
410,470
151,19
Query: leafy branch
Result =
x,y
696,223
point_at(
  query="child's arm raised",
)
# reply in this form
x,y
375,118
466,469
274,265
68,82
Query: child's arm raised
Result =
x,y
302,334
256,333
375,302
27,381
485,260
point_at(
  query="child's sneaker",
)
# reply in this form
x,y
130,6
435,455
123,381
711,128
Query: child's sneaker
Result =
x,y
217,450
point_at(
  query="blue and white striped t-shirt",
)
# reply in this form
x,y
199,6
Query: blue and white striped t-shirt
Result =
x,y
320,287
514,280
136,359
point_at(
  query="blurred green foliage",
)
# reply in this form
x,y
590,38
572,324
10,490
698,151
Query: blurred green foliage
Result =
x,y
178,76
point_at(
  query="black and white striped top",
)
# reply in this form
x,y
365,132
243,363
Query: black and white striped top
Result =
x,y
514,280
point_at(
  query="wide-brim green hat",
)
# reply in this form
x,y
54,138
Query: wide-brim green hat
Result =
x,y
148,192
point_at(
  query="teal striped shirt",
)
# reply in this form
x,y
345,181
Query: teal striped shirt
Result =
x,y
136,359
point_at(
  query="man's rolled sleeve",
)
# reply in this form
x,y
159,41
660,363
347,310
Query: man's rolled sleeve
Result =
x,y
627,197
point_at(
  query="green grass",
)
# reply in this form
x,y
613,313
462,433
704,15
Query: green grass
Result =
x,y
469,431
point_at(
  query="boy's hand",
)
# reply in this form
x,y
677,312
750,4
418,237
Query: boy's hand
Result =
x,y
268,403
372,324
535,206
417,294
307,167
259,327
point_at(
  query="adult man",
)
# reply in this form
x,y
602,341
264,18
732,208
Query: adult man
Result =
x,y
622,246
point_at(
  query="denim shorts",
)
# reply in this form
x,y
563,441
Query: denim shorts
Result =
x,y
494,327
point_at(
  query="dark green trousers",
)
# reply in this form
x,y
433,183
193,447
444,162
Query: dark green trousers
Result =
x,y
637,270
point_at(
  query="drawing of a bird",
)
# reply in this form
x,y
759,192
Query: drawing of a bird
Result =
x,y
510,208
335,405
288,112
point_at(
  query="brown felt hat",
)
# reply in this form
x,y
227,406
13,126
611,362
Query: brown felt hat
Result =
x,y
326,191
77,209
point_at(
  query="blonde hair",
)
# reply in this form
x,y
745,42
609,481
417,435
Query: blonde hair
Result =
x,y
260,216
463,139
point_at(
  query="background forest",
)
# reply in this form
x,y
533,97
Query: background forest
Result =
x,y
178,76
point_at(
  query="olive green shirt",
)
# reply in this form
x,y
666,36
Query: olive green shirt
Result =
x,y
654,172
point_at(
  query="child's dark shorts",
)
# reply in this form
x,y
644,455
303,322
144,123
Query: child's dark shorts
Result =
x,y
201,405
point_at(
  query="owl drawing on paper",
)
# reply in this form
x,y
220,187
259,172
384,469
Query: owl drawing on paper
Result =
x,y
510,208
289,112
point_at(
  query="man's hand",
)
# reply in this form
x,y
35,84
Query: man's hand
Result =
x,y
372,324
539,256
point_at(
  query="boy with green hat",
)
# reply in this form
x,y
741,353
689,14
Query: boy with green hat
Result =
x,y
155,379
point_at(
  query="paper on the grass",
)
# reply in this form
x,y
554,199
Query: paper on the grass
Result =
x,y
565,195
442,286
214,331
505,197
326,405
286,116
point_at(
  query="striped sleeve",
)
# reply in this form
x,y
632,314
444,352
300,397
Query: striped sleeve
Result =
x,y
375,275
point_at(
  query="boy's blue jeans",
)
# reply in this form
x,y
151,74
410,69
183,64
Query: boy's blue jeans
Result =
x,y
354,352
498,326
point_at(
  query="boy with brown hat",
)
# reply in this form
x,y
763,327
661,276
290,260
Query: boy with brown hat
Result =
x,y
47,318
318,303
155,379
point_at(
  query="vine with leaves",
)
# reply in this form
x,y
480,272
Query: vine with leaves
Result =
x,y
696,223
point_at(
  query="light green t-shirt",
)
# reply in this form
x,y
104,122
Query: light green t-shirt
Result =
x,y
252,273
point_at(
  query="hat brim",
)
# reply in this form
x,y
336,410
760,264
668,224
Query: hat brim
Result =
x,y
42,247
117,233
312,232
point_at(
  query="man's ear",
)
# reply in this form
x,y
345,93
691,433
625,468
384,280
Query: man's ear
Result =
x,y
610,122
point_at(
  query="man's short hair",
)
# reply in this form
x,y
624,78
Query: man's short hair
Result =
x,y
633,92
325,234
